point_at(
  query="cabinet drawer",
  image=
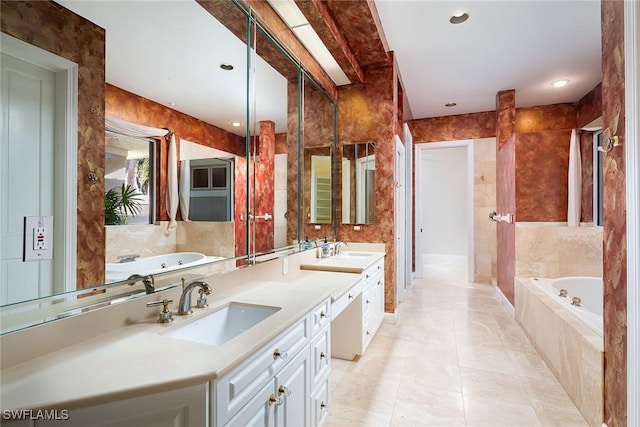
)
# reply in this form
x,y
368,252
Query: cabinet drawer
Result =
x,y
341,303
235,389
259,411
320,317
320,357
320,403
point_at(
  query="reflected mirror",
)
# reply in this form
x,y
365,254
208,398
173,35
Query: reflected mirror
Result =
x,y
358,186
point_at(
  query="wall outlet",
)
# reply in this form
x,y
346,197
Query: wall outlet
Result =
x,y
356,228
317,227
37,238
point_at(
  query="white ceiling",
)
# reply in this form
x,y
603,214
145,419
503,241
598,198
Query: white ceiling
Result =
x,y
171,54
519,44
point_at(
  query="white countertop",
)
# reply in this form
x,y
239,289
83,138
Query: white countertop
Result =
x,y
344,265
138,359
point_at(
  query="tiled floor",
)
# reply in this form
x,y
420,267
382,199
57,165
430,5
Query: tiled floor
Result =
x,y
455,358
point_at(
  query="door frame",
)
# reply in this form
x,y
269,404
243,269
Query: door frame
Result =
x,y
409,253
632,162
66,154
419,149
400,230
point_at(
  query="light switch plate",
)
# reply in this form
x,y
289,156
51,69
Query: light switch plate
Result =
x,y
37,238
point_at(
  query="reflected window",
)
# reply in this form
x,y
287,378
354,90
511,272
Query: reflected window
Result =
x,y
211,195
129,180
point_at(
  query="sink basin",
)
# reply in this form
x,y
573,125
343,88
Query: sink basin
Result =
x,y
223,324
348,255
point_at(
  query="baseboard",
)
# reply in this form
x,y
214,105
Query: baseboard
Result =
x,y
391,318
507,304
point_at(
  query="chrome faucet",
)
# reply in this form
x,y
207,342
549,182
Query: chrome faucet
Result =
x,y
336,247
184,307
128,258
147,281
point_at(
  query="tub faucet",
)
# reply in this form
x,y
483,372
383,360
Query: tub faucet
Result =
x,y
184,307
147,281
128,258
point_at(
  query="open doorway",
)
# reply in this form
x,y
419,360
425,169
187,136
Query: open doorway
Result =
x,y
444,210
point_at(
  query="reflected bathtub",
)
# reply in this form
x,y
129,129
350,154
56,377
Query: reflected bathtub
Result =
x,y
156,264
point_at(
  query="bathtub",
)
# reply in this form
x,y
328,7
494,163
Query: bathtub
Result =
x,y
156,264
567,337
588,289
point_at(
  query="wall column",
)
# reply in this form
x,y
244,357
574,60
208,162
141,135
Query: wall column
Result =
x,y
506,189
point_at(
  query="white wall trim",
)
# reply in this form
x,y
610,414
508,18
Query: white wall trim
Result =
x,y
66,159
391,318
419,148
632,160
507,304
409,254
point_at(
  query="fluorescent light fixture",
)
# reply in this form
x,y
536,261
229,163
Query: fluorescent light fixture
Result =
x,y
560,83
295,19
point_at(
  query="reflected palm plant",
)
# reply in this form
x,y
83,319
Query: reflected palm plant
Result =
x,y
120,203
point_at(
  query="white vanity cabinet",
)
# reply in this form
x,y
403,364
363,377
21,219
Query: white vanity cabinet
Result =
x,y
274,387
185,407
361,311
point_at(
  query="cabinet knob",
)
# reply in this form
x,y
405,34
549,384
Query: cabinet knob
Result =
x,y
272,399
368,333
284,390
367,276
278,354
323,406
322,355
350,296
368,302
379,267
379,282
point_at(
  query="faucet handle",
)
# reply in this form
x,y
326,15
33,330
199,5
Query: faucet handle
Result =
x,y
201,302
165,315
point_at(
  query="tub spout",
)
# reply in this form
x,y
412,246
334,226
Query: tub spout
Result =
x,y
147,281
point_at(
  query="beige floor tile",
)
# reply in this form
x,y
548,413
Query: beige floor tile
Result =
x,y
357,415
492,385
481,412
554,417
420,405
488,359
367,392
454,358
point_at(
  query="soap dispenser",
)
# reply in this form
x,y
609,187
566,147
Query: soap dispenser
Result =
x,y
325,250
307,243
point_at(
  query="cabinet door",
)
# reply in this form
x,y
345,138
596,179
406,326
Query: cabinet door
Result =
x,y
320,357
293,391
186,407
320,404
260,411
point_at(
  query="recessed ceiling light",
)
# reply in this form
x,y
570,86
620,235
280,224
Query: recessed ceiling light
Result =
x,y
450,104
226,66
459,18
173,104
235,124
560,83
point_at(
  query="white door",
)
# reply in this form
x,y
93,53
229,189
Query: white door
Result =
x,y
400,216
27,174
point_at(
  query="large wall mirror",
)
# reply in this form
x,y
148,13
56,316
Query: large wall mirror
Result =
x,y
240,145
318,171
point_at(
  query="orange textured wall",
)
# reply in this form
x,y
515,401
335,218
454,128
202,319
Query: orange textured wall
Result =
x,y
53,28
452,128
615,243
542,160
366,113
